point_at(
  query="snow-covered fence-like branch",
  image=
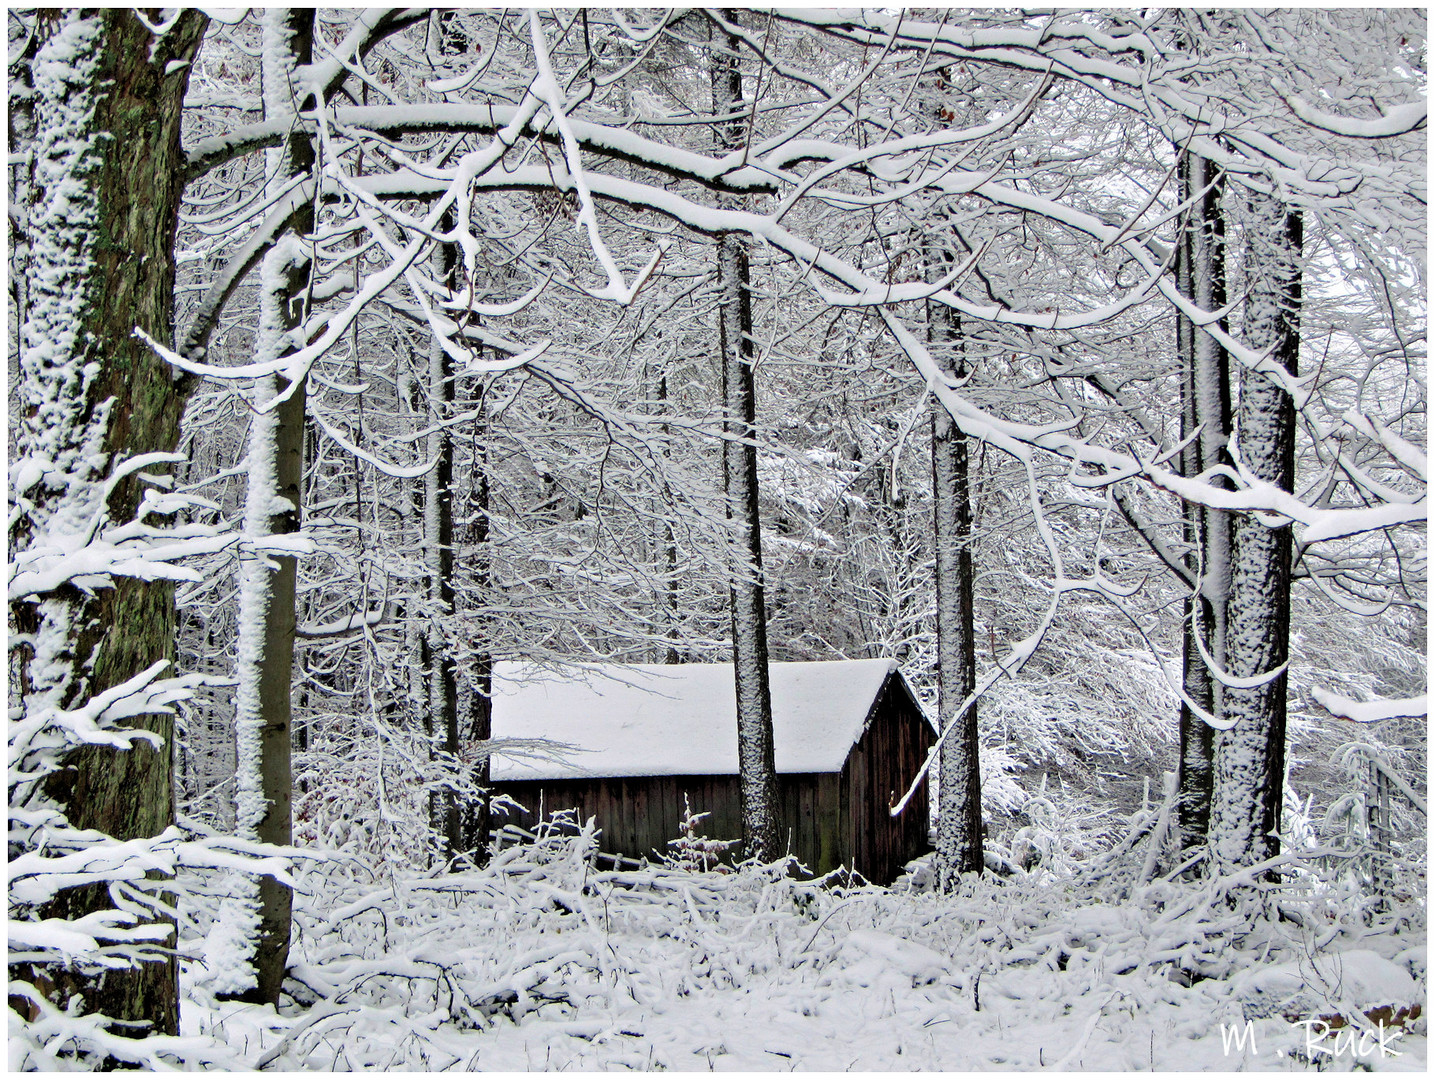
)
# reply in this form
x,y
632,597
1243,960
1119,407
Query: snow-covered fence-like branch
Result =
x,y
1353,754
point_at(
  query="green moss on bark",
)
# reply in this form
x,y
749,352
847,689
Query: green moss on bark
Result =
x,y
126,629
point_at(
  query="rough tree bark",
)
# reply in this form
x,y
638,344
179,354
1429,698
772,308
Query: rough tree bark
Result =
x,y
1250,756
102,263
757,771
20,125
959,811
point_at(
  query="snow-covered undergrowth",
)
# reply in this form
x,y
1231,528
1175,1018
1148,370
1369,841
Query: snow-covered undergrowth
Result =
x,y
543,961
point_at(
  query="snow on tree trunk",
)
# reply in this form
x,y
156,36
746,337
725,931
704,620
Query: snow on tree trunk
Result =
x,y
233,939
415,651
107,122
292,34
248,948
1250,756
959,809
21,129
756,768
1206,407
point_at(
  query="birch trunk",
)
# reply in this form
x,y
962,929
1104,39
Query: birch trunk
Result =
x,y
107,120
959,809
1250,756
757,771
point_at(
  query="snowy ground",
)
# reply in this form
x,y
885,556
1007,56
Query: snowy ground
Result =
x,y
542,962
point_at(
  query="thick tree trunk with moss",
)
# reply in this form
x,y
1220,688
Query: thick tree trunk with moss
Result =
x,y
94,282
756,768
959,811
1250,756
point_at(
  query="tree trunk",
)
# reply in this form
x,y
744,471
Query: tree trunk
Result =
x,y
672,608
101,263
275,689
268,591
479,820
264,787
21,131
438,561
959,812
410,680
1206,407
1250,756
757,772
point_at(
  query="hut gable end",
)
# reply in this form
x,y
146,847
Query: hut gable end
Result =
x,y
877,773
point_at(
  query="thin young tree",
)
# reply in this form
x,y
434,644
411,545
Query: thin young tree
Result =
x,y
477,817
737,355
273,508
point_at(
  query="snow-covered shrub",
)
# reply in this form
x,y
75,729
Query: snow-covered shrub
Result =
x,y
543,959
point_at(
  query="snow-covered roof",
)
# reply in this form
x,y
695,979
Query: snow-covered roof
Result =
x,y
677,719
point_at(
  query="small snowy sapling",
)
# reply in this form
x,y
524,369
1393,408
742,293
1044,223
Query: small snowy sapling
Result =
x,y
692,851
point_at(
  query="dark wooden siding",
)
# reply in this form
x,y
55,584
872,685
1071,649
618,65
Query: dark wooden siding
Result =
x,y
827,819
638,815
877,772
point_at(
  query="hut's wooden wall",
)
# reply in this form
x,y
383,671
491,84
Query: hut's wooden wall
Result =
x,y
877,772
828,819
638,815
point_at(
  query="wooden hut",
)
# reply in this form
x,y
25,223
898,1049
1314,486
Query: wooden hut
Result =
x,y
625,743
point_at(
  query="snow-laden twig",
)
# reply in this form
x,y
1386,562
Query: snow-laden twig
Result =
x,y
547,89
